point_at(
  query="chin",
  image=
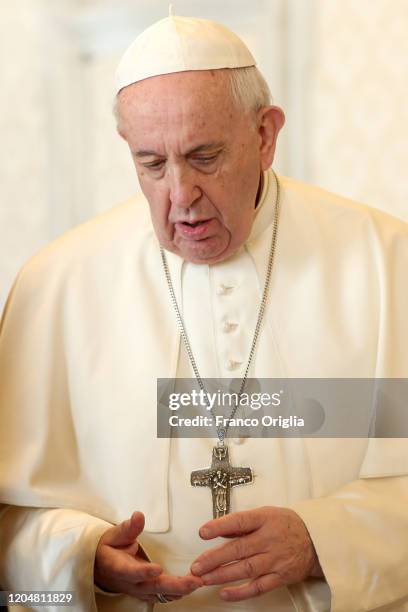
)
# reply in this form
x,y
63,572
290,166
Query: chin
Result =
x,y
208,258
197,255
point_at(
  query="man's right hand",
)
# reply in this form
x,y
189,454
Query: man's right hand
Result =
x,y
121,566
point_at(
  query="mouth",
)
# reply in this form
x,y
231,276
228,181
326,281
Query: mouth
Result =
x,y
196,230
196,224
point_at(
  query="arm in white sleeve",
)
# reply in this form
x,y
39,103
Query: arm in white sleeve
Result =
x,y
50,550
54,550
360,534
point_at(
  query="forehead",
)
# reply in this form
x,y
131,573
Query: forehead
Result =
x,y
191,85
199,100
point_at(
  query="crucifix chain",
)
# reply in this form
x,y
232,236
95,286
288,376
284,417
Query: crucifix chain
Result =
x,y
222,432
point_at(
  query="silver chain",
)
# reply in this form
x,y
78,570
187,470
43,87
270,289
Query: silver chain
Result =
x,y
223,431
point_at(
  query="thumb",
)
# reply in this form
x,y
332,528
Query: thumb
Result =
x,y
126,532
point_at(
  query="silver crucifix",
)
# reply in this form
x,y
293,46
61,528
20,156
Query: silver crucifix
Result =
x,y
221,476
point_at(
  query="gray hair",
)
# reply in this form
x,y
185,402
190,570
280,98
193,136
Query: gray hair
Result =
x,y
249,91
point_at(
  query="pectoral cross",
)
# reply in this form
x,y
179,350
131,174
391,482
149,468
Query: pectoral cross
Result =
x,y
221,476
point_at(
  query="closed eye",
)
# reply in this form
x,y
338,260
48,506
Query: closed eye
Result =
x,y
155,165
205,160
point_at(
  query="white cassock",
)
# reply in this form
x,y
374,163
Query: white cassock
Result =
x,y
88,328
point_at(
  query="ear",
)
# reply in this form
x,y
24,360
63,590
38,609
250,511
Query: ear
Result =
x,y
270,121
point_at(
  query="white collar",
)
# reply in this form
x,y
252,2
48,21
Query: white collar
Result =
x,y
265,209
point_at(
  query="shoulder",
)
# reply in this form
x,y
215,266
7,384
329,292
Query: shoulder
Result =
x,y
337,213
113,236
106,250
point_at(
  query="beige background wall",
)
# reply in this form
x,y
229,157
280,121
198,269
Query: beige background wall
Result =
x,y
358,134
338,67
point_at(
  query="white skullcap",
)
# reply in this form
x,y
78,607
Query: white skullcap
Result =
x,y
177,44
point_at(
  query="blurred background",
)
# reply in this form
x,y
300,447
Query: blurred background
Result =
x,y
339,68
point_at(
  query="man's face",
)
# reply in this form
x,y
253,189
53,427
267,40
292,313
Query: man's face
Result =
x,y
198,160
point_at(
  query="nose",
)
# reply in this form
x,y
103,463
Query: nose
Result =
x,y
183,188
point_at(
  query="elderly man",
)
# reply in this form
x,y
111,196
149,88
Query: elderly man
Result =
x,y
235,272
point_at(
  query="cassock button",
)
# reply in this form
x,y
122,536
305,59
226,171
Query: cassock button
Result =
x,y
224,289
229,327
232,365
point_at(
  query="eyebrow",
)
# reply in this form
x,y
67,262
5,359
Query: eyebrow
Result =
x,y
200,149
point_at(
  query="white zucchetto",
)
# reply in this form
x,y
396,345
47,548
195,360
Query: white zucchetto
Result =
x,y
178,44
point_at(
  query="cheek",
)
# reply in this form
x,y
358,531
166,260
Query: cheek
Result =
x,y
158,200
238,193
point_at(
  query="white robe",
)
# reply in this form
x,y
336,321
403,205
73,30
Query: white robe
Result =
x,y
89,327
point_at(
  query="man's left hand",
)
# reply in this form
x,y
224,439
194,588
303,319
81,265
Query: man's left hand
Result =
x,y
271,548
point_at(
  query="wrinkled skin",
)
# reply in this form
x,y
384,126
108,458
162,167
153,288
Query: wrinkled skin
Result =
x,y
122,567
271,547
198,158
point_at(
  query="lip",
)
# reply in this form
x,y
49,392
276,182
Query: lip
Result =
x,y
195,233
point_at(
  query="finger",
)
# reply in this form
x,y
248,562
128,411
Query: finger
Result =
x,y
171,585
236,523
256,587
118,564
233,550
252,567
126,532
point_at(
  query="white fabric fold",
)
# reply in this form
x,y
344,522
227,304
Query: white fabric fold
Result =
x,y
88,328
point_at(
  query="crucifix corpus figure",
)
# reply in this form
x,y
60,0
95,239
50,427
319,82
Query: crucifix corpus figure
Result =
x,y
221,476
